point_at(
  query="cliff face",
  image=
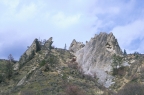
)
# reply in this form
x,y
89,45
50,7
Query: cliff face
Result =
x,y
31,51
75,46
95,57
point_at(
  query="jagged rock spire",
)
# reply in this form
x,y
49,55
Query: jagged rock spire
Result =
x,y
75,46
96,56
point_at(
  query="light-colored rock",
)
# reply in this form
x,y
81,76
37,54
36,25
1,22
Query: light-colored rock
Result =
x,y
30,52
16,66
96,57
75,46
48,43
21,82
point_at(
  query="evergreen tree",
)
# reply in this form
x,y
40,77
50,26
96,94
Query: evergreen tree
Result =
x,y
65,47
125,53
10,58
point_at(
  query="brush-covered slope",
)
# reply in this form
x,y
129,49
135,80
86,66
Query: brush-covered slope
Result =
x,y
48,71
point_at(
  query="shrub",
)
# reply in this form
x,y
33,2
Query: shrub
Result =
x,y
132,89
52,60
9,70
119,71
74,90
73,65
117,60
27,92
1,78
42,63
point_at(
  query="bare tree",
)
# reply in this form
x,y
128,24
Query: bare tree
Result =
x,y
10,58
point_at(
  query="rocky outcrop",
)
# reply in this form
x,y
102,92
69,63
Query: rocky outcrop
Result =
x,y
75,46
30,52
96,56
47,44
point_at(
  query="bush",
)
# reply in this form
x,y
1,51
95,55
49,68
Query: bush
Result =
x,y
132,89
27,92
42,63
1,78
74,90
117,61
52,60
9,70
73,65
119,71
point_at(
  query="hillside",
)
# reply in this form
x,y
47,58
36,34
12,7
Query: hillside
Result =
x,y
98,67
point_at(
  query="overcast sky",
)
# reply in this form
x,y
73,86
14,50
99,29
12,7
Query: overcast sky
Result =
x,y
21,21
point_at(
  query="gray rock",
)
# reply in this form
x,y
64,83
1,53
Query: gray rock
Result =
x,y
21,82
16,66
29,53
48,43
75,46
96,57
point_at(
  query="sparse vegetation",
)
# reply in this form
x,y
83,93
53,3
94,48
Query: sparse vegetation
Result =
x,y
117,61
74,90
132,89
56,72
119,71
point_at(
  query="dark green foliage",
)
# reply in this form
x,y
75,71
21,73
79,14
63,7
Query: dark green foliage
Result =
x,y
117,61
42,63
65,47
51,59
125,53
2,78
9,70
136,54
38,47
52,47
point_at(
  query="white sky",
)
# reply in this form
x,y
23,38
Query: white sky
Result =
x,y
21,21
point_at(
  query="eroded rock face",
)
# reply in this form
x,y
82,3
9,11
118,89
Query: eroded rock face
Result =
x,y
96,57
48,43
30,52
75,46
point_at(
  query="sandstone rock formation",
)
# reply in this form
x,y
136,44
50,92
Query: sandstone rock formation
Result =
x,y
96,56
75,46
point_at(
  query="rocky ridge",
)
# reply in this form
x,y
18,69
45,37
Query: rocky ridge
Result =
x,y
45,70
95,57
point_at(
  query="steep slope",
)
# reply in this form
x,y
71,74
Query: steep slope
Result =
x,y
49,71
96,57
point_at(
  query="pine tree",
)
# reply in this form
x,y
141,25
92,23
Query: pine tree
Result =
x,y
125,53
65,47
